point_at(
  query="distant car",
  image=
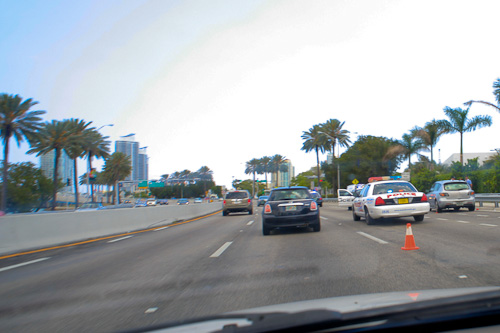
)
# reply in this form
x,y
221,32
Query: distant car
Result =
x,y
451,194
151,202
237,201
290,207
389,198
262,200
317,197
183,202
91,206
162,201
198,200
141,203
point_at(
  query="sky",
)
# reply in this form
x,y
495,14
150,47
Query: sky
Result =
x,y
219,82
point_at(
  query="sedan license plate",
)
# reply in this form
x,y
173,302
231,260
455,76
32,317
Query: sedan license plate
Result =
x,y
290,208
403,201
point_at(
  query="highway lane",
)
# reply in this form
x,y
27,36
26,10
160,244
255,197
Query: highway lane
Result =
x,y
221,264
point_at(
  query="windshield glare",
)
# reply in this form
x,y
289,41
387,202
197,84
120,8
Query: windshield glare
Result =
x,y
456,186
393,188
289,194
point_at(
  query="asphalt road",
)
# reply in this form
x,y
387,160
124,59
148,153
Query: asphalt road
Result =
x,y
220,264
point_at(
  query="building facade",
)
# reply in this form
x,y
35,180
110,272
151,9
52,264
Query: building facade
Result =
x,y
65,167
142,164
128,146
283,178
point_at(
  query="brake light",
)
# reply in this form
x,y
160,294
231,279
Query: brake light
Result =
x,y
472,193
224,201
267,209
379,202
314,206
249,200
444,194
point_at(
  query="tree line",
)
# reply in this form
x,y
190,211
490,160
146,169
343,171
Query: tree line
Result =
x,y
371,155
74,136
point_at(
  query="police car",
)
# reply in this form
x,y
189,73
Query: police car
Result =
x,y
386,197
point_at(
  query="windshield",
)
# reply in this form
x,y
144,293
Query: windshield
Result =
x,y
456,186
210,107
289,194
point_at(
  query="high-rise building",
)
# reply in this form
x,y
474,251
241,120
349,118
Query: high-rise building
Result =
x,y
65,166
130,147
143,164
285,177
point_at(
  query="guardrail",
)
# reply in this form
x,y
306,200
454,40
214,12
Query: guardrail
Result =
x,y
488,197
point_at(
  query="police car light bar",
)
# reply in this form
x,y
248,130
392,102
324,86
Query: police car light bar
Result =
x,y
377,179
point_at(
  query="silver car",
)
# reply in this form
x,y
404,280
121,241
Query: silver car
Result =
x,y
451,194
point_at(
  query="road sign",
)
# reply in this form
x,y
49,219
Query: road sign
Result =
x,y
355,181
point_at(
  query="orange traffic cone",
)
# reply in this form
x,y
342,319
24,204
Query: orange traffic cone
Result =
x,y
409,240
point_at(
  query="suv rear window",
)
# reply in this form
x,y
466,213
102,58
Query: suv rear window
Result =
x,y
237,195
393,187
289,194
456,186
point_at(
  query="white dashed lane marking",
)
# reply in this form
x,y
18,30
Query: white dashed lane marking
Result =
x,y
118,239
23,264
378,240
221,250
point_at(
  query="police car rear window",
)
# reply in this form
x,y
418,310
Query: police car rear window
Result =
x,y
393,188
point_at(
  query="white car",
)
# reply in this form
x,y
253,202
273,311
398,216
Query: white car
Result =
x,y
151,202
387,199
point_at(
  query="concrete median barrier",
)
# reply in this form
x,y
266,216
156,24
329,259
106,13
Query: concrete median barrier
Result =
x,y
20,232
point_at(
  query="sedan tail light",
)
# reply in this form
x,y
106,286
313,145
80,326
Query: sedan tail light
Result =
x,y
471,193
249,200
424,198
379,202
267,209
224,201
444,194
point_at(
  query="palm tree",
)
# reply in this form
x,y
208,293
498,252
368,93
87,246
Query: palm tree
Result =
x,y
251,168
276,166
496,92
315,140
332,129
430,134
95,145
116,168
264,166
458,122
55,135
75,149
205,173
410,145
15,121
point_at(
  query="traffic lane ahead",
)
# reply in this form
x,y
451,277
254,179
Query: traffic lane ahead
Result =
x,y
463,242
105,280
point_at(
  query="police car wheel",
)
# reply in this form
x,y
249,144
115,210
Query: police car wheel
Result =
x,y
354,216
369,220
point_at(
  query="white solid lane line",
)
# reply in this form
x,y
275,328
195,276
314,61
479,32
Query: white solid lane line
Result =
x,y
23,264
250,223
119,239
220,250
372,237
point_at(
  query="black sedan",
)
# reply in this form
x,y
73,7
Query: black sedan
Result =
x,y
290,207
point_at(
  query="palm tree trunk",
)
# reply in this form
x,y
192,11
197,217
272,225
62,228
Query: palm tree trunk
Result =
x,y
55,178
462,148
117,192
75,180
5,173
88,177
317,170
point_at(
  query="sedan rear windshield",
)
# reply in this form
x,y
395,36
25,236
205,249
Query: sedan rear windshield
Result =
x,y
236,195
291,194
393,188
456,186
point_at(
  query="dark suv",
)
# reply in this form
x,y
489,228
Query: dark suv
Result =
x,y
237,201
290,207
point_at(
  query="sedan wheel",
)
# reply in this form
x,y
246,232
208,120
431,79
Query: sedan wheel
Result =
x,y
369,220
